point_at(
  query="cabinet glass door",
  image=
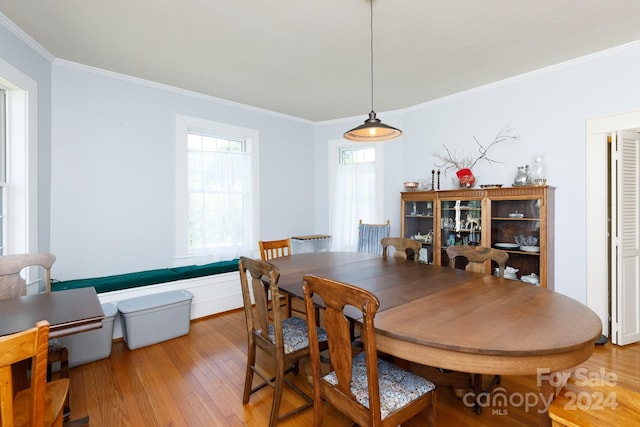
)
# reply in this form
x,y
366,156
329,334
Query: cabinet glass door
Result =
x,y
515,228
418,225
460,224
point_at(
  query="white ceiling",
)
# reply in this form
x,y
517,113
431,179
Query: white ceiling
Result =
x,y
311,59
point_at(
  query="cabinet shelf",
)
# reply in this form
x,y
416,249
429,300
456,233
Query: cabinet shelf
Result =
x,y
499,218
515,251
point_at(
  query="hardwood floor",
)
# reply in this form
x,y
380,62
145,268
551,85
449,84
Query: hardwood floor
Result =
x,y
197,380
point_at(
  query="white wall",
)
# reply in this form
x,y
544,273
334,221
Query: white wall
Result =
x,y
113,164
112,146
548,109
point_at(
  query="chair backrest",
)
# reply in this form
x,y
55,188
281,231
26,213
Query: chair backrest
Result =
x,y
336,296
403,246
11,282
478,257
260,278
274,249
370,235
30,344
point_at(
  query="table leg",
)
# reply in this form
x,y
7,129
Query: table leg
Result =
x,y
547,394
550,385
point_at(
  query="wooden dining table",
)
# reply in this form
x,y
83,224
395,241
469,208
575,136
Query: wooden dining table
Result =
x,y
462,321
68,312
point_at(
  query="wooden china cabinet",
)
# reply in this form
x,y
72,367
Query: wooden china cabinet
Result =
x,y
518,220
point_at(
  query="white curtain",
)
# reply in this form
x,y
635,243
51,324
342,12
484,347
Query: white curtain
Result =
x,y
355,200
221,226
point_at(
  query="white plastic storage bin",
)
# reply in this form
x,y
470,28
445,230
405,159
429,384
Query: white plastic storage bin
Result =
x,y
154,318
89,346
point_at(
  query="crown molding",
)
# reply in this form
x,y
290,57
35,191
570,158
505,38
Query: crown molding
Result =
x,y
24,37
168,88
525,76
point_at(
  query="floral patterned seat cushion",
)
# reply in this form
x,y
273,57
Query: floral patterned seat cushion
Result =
x,y
55,345
397,386
295,334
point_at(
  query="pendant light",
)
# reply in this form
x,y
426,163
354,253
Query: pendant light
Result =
x,y
373,129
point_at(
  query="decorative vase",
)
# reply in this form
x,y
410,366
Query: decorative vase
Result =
x,y
466,178
522,177
538,172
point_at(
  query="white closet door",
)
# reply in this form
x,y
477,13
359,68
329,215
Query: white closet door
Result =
x,y
625,285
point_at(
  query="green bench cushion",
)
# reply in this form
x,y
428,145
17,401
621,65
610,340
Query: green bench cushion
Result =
x,y
150,277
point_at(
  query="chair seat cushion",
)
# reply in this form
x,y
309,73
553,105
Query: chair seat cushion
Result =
x,y
55,345
295,334
397,386
149,277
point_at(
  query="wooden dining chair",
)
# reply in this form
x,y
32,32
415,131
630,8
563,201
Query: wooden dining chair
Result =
x,y
370,235
368,390
285,340
13,285
479,260
270,249
42,403
404,248
274,248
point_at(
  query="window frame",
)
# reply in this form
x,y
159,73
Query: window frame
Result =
x,y
20,190
335,148
184,124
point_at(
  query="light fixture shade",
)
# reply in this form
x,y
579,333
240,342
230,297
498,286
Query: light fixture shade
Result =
x,y
372,130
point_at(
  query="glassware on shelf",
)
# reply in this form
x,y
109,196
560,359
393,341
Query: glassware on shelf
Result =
x,y
538,171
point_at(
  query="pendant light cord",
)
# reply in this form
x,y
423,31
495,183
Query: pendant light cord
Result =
x,y
371,3
373,129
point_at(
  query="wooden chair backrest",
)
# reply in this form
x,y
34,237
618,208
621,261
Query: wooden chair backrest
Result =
x,y
370,235
29,344
261,278
336,296
479,258
403,246
274,249
11,283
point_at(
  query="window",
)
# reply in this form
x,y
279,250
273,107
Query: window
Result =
x,y
19,177
216,190
356,186
3,164
352,156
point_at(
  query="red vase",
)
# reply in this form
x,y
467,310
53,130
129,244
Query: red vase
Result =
x,y
466,178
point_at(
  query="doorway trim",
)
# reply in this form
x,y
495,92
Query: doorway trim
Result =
x,y
597,198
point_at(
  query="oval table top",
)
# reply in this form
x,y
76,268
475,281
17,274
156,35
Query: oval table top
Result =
x,y
458,320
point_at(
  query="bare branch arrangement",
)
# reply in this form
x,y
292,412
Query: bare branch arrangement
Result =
x,y
452,160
